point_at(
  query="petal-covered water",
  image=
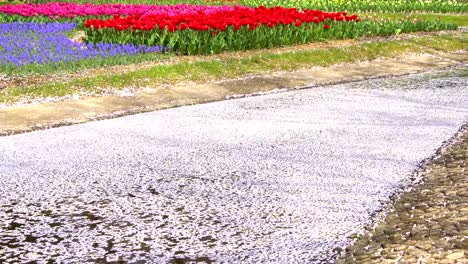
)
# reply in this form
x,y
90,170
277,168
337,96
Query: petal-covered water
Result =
x,y
282,178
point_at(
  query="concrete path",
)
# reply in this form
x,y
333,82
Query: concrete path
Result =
x,y
283,178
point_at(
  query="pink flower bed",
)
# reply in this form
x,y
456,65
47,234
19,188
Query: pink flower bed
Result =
x,y
71,10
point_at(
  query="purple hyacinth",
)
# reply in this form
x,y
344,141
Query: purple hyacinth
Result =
x,y
43,43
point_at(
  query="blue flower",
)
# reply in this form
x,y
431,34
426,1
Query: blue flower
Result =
x,y
41,43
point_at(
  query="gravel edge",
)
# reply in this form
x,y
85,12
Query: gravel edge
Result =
x,y
427,221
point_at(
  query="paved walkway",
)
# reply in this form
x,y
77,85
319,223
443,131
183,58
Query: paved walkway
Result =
x,y
281,178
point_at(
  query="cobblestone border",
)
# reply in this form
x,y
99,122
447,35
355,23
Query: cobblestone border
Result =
x,y
427,224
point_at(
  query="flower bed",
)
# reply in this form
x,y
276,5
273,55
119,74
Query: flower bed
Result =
x,y
121,30
243,28
67,11
325,5
32,43
201,33
218,21
384,6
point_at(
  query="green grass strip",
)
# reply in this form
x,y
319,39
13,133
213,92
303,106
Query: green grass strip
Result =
x,y
213,69
457,19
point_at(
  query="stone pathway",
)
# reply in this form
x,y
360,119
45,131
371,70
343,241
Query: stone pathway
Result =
x,y
428,224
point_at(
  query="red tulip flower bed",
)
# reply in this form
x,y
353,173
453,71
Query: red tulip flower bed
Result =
x,y
239,28
211,32
218,21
